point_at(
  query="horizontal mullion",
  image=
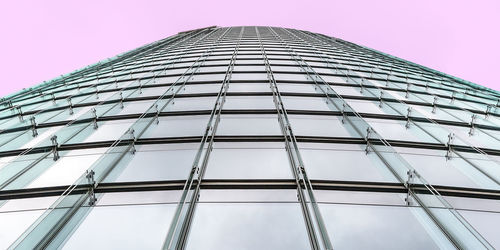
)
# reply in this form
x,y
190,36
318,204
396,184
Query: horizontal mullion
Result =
x,y
224,184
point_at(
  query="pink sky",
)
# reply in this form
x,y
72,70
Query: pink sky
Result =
x,y
43,39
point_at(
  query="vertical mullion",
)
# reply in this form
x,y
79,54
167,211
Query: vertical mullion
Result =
x,y
179,229
296,163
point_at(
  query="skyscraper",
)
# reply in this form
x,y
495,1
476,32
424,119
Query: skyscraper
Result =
x,y
251,138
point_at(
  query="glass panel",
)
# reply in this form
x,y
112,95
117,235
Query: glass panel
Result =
x,y
68,168
249,102
437,170
248,125
134,198
485,205
160,162
359,197
378,227
248,87
215,78
36,203
248,226
249,76
291,77
486,224
396,130
14,224
296,88
248,161
123,227
305,103
177,126
343,162
331,126
136,107
110,130
195,103
201,88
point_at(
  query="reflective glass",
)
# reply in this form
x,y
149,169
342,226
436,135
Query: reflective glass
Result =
x,y
343,162
248,125
159,163
248,226
123,227
177,126
330,126
248,161
249,102
376,227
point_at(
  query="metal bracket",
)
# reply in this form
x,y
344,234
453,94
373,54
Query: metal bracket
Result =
x,y
434,104
410,175
9,104
473,118
53,98
361,86
70,106
121,100
407,126
380,99
343,113
96,92
407,90
132,136
157,116
368,132
55,147
452,96
94,112
90,178
448,144
488,111
33,126
20,113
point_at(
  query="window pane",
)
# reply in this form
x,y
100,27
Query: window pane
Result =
x,y
248,161
177,126
249,102
249,87
160,162
343,162
14,224
306,103
249,125
248,226
486,224
296,88
331,126
375,227
123,227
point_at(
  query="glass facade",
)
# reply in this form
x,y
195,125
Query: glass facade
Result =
x,y
251,138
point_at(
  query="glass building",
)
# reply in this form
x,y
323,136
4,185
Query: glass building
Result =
x,y
251,138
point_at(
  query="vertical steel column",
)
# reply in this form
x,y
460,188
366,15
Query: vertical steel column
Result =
x,y
179,228
297,165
